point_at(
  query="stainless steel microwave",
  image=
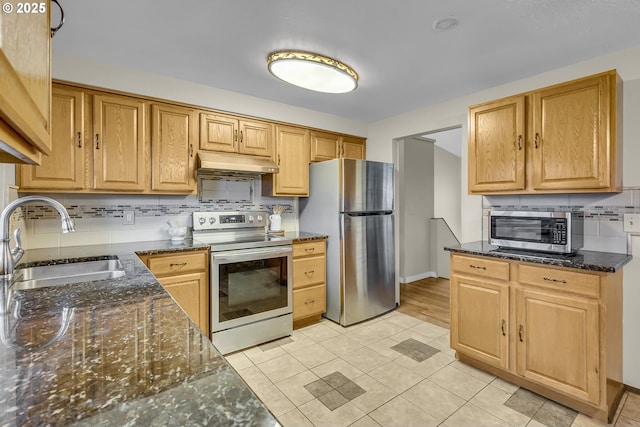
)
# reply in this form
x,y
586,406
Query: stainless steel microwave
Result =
x,y
559,232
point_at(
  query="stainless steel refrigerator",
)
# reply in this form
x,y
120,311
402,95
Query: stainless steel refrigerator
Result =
x,y
351,201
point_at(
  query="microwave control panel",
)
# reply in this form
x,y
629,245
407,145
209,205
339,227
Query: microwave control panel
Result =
x,y
560,233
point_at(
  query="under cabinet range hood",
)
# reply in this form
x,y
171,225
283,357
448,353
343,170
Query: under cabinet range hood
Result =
x,y
224,164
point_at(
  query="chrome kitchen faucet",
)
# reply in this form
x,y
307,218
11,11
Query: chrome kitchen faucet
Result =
x,y
10,257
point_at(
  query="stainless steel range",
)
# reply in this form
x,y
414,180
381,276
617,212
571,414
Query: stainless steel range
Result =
x,y
251,295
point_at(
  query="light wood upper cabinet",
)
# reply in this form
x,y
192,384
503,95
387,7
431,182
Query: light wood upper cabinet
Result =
x,y
25,98
173,134
327,146
64,168
292,154
571,141
564,138
353,148
119,144
496,143
228,134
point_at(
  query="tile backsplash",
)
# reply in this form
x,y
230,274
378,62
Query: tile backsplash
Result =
x,y
99,218
603,214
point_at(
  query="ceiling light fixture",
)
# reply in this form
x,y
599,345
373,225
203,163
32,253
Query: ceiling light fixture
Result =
x,y
312,71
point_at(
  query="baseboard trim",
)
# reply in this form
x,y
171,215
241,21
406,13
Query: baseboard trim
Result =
x,y
410,279
632,389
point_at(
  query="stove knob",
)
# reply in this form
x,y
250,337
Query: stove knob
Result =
x,y
201,220
251,219
212,220
259,218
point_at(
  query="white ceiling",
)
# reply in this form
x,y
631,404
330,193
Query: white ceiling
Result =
x,y
403,64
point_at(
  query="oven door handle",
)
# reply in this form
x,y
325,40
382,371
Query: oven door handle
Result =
x,y
251,254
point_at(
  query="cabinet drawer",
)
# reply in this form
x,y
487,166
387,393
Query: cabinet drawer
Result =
x,y
316,247
309,271
561,280
174,264
480,267
309,302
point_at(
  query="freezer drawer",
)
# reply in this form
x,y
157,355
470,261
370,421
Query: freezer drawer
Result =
x,y
367,281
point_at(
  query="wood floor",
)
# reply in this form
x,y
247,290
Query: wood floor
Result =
x,y
426,299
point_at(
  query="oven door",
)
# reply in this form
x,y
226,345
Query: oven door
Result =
x,y
249,285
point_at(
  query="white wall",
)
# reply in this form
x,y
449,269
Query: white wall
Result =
x,y
415,208
454,112
446,189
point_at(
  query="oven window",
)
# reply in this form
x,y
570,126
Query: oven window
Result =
x,y
252,287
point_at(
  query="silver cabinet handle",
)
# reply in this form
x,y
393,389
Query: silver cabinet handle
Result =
x,y
478,267
177,264
548,279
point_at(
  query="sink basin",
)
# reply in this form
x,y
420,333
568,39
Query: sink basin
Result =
x,y
65,274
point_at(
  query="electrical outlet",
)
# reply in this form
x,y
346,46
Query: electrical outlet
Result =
x,y
129,217
632,223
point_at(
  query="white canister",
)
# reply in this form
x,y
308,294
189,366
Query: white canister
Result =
x,y
275,222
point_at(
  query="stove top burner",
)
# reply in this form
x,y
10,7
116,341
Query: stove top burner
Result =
x,y
234,230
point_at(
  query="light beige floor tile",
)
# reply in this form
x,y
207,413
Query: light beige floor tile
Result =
x,y
321,416
476,373
366,359
404,320
239,361
293,387
586,421
376,394
294,418
534,423
458,382
624,421
443,345
319,332
384,348
429,330
255,378
300,341
505,385
337,365
333,326
428,367
471,415
313,355
275,400
379,330
257,355
365,421
399,412
411,334
435,400
492,399
395,376
281,367
341,345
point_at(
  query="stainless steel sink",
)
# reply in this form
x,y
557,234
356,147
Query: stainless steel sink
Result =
x,y
64,274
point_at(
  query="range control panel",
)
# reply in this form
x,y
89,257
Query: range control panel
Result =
x,y
229,220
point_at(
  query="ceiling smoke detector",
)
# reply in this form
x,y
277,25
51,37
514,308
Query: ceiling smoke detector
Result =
x,y
445,24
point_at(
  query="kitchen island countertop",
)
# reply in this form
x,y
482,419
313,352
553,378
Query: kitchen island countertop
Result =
x,y
126,353
607,262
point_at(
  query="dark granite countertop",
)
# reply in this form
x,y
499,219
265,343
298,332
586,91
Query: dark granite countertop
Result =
x,y
583,260
126,353
301,236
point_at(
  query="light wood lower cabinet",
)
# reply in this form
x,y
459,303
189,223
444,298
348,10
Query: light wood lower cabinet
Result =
x,y
309,281
553,330
185,275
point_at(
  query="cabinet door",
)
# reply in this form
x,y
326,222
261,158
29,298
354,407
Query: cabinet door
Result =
x,y
292,147
571,144
480,319
352,148
64,168
119,143
324,146
218,133
25,98
256,138
497,146
557,342
172,138
191,292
